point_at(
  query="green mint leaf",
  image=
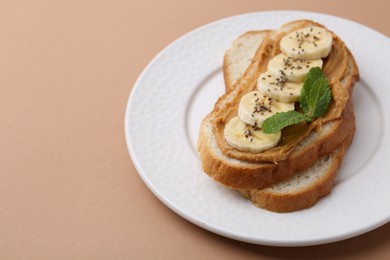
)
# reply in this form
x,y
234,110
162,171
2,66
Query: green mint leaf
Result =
x,y
319,98
316,94
280,120
311,77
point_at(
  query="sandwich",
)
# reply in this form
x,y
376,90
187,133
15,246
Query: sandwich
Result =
x,y
279,133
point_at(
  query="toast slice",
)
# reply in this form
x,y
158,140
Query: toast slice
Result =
x,y
303,189
239,173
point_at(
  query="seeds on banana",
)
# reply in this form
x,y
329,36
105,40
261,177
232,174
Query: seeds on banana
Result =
x,y
249,138
294,70
255,107
307,43
279,88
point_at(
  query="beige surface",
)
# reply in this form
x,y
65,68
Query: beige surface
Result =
x,y
68,189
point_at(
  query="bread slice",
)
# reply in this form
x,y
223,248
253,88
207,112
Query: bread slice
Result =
x,y
251,174
303,189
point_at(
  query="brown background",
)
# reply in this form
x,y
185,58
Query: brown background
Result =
x,y
68,188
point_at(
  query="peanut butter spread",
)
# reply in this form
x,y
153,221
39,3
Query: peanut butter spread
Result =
x,y
335,67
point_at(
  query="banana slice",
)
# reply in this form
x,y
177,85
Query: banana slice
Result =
x,y
290,69
249,138
279,88
307,43
255,107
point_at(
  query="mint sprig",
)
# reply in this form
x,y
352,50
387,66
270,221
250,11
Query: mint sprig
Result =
x,y
314,101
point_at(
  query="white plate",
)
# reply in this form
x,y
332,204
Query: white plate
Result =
x,y
180,86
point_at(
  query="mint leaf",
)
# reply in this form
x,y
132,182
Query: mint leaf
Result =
x,y
319,98
315,94
280,120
